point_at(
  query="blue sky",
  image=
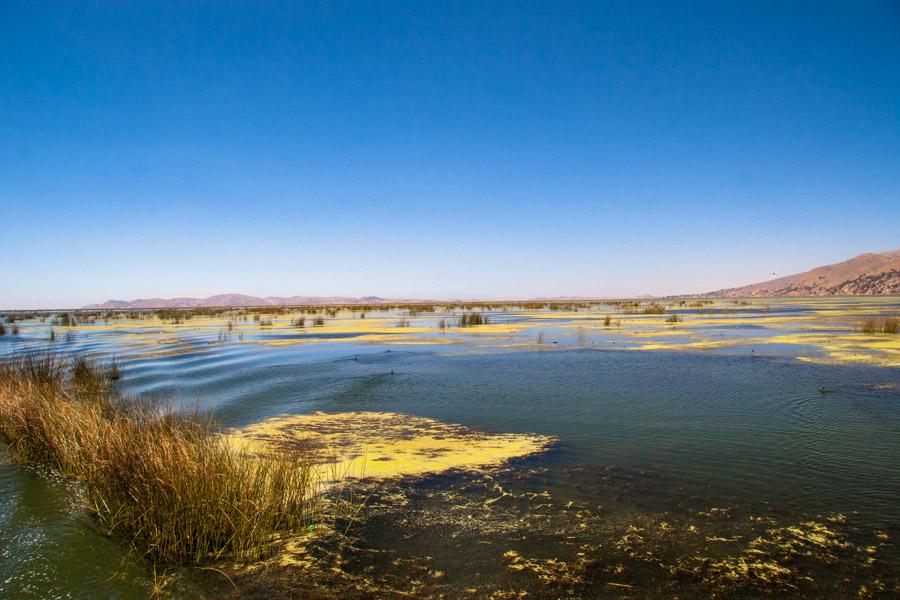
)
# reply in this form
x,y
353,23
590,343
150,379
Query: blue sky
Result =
x,y
440,150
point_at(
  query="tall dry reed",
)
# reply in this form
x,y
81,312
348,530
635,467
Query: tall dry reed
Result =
x,y
167,483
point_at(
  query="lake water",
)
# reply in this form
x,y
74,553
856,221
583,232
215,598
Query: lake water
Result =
x,y
672,465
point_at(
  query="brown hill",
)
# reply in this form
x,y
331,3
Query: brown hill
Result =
x,y
868,274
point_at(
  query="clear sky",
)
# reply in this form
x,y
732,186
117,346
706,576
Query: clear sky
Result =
x,y
440,149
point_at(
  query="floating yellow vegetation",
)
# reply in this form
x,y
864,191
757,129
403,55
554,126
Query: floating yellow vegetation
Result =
x,y
693,345
552,572
382,445
771,560
881,350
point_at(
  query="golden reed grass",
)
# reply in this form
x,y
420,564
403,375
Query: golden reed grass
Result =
x,y
166,483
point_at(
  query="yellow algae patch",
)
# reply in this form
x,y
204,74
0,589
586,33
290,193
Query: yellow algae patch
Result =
x,y
697,345
493,328
846,348
383,445
559,315
398,338
673,331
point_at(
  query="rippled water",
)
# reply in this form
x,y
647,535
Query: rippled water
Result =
x,y
658,432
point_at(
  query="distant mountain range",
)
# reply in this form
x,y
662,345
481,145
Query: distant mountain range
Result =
x,y
868,274
240,300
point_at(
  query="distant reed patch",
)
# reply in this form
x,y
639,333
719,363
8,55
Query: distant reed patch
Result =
x,y
875,325
470,319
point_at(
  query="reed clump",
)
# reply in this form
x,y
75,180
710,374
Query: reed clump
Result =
x,y
470,319
890,325
167,483
654,308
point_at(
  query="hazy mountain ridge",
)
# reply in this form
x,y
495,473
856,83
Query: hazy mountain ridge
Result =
x,y
239,300
869,274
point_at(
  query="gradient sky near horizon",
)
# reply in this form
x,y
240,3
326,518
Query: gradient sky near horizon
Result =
x,y
440,150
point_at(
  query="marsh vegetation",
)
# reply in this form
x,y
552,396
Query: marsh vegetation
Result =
x,y
873,325
471,319
164,482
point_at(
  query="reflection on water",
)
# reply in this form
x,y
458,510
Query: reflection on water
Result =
x,y
674,470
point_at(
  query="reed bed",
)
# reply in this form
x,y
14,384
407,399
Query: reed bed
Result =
x,y
471,319
167,483
654,308
886,325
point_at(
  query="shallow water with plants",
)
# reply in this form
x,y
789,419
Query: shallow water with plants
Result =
x,y
746,449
